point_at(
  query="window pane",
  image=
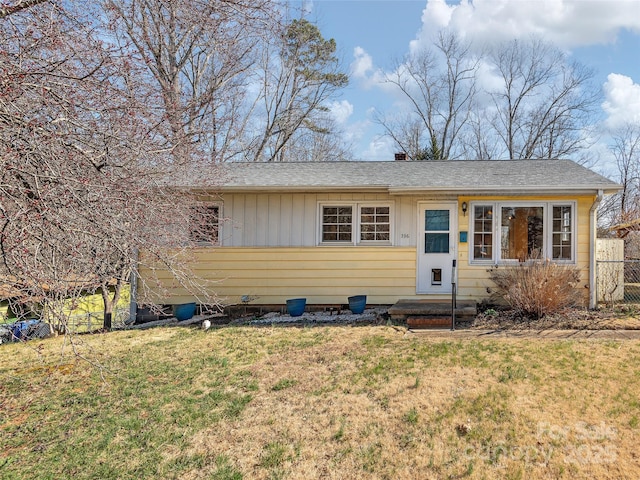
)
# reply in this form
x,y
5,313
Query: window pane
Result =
x,y
521,233
336,224
562,234
483,232
482,246
204,224
374,224
436,243
330,211
437,220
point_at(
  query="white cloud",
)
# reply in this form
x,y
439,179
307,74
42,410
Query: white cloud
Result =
x,y
362,64
341,111
568,23
380,148
363,70
622,100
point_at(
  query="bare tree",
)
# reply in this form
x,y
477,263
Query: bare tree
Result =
x,y
296,82
541,108
440,85
621,212
83,178
626,150
16,6
324,143
543,105
199,57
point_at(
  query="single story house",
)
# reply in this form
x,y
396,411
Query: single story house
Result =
x,y
393,230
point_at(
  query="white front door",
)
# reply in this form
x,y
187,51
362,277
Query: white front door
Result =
x,y
436,246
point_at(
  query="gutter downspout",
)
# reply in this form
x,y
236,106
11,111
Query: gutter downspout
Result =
x,y
593,293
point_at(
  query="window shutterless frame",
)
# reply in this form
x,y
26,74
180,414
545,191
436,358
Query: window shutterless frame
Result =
x,y
355,223
499,234
205,224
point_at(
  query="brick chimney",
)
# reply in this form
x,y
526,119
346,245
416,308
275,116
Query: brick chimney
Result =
x,y
400,157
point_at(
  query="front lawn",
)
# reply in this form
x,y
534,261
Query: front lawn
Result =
x,y
322,402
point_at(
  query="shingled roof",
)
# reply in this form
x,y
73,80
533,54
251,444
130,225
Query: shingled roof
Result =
x,y
469,176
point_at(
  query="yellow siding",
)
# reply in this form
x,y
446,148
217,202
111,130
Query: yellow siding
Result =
x,y
473,280
322,275
269,251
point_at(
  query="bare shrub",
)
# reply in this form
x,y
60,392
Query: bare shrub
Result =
x,y
537,287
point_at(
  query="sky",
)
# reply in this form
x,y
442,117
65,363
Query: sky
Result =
x,y
373,35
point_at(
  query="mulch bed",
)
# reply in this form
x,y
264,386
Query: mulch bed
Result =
x,y
624,318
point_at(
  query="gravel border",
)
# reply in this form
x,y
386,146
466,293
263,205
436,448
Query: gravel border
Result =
x,y
373,315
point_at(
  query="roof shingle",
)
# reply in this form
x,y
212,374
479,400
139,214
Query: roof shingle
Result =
x,y
457,176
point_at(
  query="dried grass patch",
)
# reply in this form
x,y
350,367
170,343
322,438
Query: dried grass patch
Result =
x,y
325,402
624,318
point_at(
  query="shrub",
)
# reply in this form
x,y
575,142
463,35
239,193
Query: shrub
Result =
x,y
536,287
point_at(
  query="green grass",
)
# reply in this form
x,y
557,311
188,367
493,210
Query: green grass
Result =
x,y
365,402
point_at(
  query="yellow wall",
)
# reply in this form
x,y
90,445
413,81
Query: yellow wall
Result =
x,y
474,279
323,275
327,274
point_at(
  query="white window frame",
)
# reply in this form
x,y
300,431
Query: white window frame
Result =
x,y
572,230
356,209
547,230
204,243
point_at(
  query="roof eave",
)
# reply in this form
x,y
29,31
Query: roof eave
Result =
x,y
449,190
515,191
302,189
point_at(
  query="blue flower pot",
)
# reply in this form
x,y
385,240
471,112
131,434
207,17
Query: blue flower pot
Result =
x,y
184,311
295,306
357,303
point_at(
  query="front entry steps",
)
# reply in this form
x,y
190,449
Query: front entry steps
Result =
x,y
414,322
419,313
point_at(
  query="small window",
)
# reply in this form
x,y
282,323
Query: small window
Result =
x,y
375,224
482,232
204,224
562,238
436,236
355,223
337,223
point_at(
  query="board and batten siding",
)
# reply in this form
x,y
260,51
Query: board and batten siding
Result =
x,y
269,251
292,220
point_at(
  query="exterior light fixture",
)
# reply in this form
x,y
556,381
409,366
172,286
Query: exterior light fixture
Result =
x,y
464,208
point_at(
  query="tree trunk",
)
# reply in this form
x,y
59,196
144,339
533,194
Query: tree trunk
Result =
x,y
107,321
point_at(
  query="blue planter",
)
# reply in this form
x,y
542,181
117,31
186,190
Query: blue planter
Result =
x,y
20,329
357,303
184,311
295,306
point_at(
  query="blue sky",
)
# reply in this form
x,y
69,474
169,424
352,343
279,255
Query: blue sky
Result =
x,y
372,34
